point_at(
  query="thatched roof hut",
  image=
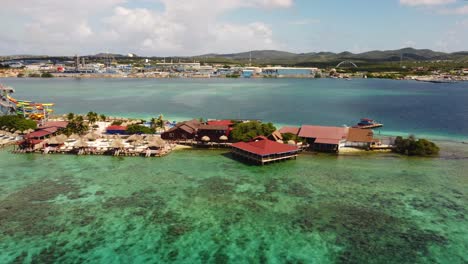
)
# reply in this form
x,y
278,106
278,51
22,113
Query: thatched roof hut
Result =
x,y
157,142
117,144
62,138
73,137
92,136
53,141
81,143
133,138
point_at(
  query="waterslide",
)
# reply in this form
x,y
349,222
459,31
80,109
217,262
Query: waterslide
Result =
x,y
31,109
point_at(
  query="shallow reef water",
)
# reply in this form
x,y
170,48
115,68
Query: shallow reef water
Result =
x,y
203,207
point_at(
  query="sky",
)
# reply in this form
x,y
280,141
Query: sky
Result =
x,y
195,27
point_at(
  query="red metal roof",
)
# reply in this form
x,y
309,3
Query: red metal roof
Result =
x,y
60,124
39,134
220,123
116,128
50,129
265,147
323,132
288,129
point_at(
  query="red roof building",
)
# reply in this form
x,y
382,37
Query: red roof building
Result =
x,y
290,130
116,130
264,151
220,123
323,138
58,124
39,134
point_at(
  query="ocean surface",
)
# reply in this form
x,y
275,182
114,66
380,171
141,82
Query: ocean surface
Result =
x,y
405,107
201,206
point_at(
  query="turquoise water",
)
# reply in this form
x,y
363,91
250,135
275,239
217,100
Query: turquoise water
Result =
x,y
203,207
433,110
199,206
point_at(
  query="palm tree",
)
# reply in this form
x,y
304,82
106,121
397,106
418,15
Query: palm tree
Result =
x,y
160,122
92,117
70,116
103,117
153,122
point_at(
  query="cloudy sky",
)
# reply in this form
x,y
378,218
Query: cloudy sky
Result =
x,y
193,27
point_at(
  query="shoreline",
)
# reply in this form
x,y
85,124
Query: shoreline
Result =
x,y
463,79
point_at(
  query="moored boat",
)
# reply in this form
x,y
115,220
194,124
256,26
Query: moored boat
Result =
x,y
367,123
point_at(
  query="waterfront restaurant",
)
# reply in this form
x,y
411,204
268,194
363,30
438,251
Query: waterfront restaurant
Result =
x,y
264,151
324,138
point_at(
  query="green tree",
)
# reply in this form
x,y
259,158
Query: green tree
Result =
x,y
250,130
47,75
92,117
413,147
70,116
102,117
17,123
139,129
76,126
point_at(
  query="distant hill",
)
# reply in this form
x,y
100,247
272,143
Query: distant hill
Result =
x,y
376,56
319,59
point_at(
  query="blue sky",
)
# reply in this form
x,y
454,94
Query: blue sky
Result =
x,y
191,27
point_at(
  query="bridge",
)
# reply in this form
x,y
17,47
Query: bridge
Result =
x,y
346,62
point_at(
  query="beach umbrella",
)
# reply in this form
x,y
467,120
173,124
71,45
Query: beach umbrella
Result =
x,y
223,138
30,130
81,143
92,136
133,138
291,142
280,141
117,144
18,132
53,141
205,138
12,130
157,142
73,137
137,143
61,138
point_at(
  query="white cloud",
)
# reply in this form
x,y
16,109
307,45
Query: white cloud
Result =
x,y
181,27
426,2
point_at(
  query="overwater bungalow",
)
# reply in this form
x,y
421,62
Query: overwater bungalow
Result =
x,y
264,151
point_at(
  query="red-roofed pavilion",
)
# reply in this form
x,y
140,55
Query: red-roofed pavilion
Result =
x,y
264,151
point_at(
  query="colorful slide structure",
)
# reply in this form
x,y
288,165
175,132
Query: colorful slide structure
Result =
x,y
36,111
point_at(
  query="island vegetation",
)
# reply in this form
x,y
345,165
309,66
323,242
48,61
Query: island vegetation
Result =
x,y
139,129
250,130
415,147
16,122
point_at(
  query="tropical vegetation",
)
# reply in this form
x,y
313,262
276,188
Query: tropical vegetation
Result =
x,y
17,123
76,125
139,129
412,147
250,130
